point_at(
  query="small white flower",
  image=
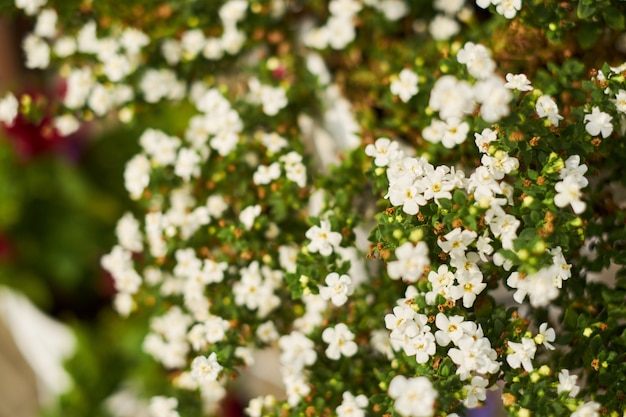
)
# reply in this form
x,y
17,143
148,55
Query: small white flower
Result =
x,y
546,107
66,124
518,82
569,193
567,382
414,397
163,407
8,109
545,336
340,341
478,60
206,369
352,406
46,23
405,85
248,215
410,263
323,239
265,174
337,288
383,151
598,122
620,101
588,409
523,354
37,52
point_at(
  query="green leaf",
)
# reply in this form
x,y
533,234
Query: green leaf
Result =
x,y
585,9
588,34
614,18
570,319
596,344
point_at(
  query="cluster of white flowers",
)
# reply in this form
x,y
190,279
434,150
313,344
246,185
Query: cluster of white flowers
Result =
x,y
297,352
120,265
542,286
255,288
272,99
507,8
193,42
339,29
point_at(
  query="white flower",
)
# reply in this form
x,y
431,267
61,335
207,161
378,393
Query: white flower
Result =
x,y
128,234
455,132
337,288
297,350
588,409
472,285
443,27
523,354
133,40
65,46
30,7
410,263
163,407
508,8
545,336
341,32
233,11
265,174
323,239
205,369
100,100
66,124
450,329
546,107
273,142
37,52
46,23
248,215
569,193
598,122
8,109
414,397
476,391
562,267
187,164
457,241
192,43
478,60
392,9
567,382
518,82
451,97
620,101
137,175
383,151
352,406
450,7
340,341
405,85
407,193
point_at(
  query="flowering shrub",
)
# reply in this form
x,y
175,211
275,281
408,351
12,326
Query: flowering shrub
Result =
x,y
410,201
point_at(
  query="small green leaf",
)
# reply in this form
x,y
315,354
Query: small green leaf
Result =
x,y
585,9
614,18
588,34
